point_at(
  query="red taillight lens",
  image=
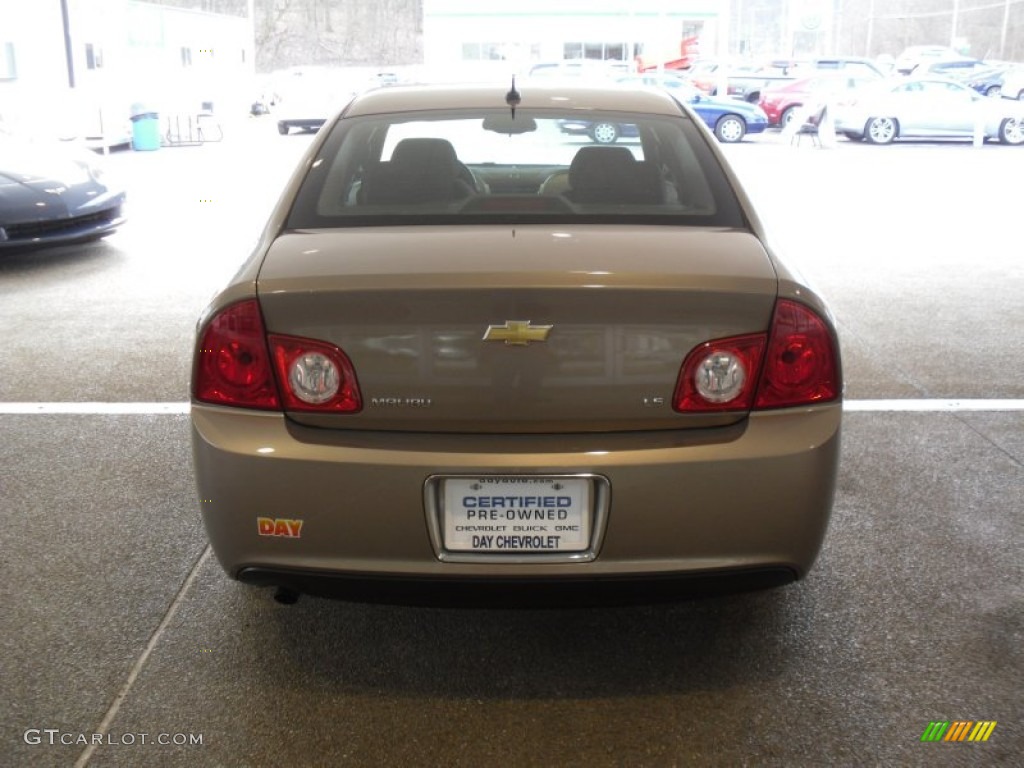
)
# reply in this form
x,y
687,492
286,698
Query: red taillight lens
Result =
x,y
233,364
314,376
720,375
795,364
801,366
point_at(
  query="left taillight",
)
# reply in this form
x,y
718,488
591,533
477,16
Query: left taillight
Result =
x,y
239,364
233,363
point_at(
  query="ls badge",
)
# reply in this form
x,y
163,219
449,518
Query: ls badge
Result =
x,y
517,332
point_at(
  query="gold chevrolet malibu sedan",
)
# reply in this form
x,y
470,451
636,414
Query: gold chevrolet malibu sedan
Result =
x,y
474,355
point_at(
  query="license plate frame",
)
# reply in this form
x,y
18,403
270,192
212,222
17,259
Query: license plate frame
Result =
x,y
522,523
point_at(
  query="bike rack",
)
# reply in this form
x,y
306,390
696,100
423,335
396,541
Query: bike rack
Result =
x,y
184,130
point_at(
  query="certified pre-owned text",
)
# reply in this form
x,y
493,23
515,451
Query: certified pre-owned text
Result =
x,y
516,507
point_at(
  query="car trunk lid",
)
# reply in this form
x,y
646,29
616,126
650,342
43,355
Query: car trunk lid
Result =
x,y
517,330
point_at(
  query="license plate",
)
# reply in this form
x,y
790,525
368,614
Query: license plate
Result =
x,y
517,515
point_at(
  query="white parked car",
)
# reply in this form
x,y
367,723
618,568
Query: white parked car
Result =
x,y
1013,84
307,96
917,55
926,108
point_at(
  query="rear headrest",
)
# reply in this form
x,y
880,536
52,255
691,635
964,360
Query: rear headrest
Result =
x,y
420,171
597,169
612,176
435,154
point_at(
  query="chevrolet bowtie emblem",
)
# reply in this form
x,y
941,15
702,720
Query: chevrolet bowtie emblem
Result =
x,y
517,332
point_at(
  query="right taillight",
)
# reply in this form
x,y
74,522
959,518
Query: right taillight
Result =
x,y
801,364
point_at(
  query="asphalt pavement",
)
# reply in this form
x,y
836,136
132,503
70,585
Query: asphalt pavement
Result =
x,y
126,645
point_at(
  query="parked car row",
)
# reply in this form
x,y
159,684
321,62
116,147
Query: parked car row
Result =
x,y
918,106
730,119
748,82
751,82
784,102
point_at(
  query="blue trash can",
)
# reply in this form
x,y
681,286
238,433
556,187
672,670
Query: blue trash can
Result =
x,y
146,131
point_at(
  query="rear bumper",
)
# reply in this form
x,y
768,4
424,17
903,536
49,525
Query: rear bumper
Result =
x,y
478,592
755,496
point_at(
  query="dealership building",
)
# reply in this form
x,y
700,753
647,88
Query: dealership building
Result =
x,y
461,32
77,67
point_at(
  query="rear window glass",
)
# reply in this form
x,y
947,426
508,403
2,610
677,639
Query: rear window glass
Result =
x,y
489,166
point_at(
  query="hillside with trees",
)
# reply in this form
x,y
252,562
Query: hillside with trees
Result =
x,y
390,32
329,32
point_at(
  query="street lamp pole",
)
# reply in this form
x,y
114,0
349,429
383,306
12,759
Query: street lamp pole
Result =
x,y
1002,35
722,79
69,52
252,33
956,14
871,28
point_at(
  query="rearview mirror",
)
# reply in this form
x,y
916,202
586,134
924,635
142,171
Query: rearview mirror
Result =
x,y
508,124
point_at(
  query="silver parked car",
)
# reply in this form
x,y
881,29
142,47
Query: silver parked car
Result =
x,y
469,351
927,108
1013,84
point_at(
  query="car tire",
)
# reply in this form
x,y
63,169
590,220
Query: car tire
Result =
x,y
787,115
604,133
283,128
1011,131
881,130
994,91
730,128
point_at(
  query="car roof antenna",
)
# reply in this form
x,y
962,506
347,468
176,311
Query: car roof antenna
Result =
x,y
512,98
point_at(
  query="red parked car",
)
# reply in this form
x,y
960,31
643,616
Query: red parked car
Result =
x,y
782,102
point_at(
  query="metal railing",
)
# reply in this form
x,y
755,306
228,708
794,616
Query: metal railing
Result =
x,y
191,129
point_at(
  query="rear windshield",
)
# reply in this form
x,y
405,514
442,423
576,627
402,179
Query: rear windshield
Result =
x,y
538,166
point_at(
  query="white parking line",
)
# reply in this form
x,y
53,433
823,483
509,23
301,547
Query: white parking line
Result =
x,y
154,640
925,406
177,409
93,409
